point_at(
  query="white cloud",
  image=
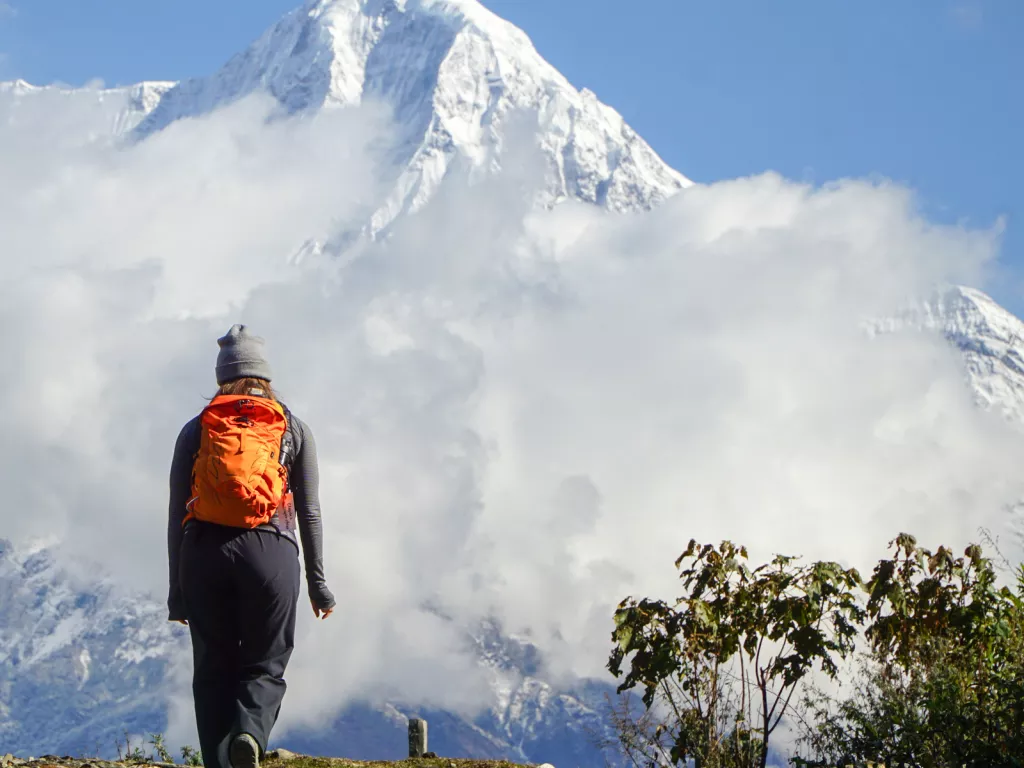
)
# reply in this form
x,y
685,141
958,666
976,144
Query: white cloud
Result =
x,y
524,415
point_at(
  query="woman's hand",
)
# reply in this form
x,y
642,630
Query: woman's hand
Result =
x,y
320,614
319,596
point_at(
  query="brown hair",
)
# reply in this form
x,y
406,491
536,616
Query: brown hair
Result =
x,y
245,386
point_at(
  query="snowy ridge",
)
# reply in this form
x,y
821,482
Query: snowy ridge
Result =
x,y
454,76
128,106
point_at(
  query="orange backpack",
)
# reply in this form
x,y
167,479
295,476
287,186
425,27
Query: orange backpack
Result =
x,y
238,479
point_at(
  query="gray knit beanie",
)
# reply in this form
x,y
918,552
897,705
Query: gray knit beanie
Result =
x,y
240,356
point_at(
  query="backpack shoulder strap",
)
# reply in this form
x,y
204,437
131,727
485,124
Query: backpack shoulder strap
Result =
x,y
289,440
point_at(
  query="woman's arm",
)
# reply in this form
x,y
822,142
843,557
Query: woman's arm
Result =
x,y
185,448
305,485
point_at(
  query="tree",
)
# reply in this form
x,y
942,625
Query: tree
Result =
x,y
942,682
719,667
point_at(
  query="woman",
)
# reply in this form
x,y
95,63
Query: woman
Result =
x,y
243,471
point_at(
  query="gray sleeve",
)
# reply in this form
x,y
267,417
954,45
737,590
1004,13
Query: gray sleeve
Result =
x,y
185,449
305,485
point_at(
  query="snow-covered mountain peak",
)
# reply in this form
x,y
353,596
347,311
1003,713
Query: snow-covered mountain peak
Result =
x,y
350,30
456,13
453,75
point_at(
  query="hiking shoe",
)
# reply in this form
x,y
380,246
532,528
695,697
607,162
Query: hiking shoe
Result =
x,y
244,752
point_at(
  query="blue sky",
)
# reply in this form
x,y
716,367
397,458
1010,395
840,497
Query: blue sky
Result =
x,y
926,92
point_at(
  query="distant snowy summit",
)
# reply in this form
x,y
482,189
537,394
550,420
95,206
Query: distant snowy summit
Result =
x,y
989,338
456,77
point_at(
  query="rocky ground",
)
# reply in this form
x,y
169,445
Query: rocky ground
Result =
x,y
275,759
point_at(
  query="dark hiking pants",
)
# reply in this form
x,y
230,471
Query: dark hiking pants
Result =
x,y
240,589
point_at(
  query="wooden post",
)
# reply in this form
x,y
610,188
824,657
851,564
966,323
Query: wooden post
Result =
x,y
417,737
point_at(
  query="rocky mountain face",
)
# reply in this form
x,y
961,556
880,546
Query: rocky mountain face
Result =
x,y
80,663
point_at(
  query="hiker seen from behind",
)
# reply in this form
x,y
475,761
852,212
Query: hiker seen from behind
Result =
x,y
243,491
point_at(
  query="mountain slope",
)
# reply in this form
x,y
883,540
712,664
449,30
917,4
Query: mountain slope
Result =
x,y
79,665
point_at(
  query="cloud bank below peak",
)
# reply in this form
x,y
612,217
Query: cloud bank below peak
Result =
x,y
521,414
